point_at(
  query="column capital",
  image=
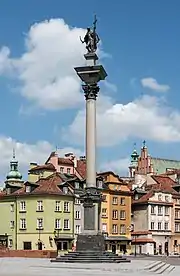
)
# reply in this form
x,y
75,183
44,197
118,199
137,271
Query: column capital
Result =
x,y
90,91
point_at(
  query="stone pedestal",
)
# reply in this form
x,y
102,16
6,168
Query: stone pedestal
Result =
x,y
90,243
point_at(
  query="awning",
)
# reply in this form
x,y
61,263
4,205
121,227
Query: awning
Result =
x,y
117,238
143,240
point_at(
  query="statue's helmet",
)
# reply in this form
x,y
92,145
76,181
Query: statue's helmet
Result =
x,y
88,29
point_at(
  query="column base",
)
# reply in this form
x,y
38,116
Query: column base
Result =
x,y
90,242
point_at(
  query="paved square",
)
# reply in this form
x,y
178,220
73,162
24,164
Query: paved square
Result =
x,y
43,267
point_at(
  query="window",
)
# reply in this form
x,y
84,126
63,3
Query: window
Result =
x,y
10,242
152,209
76,185
66,206
27,245
58,206
115,214
160,197
104,227
152,225
57,224
122,201
159,225
39,223
39,206
104,198
22,206
136,197
122,214
177,227
100,184
104,212
28,189
77,215
77,201
23,223
166,225
166,211
78,229
167,198
114,229
68,171
12,207
65,190
177,214
66,224
12,224
61,169
115,200
122,229
160,210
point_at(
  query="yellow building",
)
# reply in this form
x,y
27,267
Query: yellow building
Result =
x,y
38,216
116,213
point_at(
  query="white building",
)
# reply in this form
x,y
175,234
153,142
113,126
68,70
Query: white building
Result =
x,y
152,217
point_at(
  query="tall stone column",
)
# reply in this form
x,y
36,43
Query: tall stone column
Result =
x,y
91,74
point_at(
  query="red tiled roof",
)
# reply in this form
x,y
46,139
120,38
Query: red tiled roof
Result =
x,y
48,166
47,185
164,185
65,161
163,180
53,153
144,198
81,168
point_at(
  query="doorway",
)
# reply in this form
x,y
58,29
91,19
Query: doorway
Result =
x,y
40,245
114,248
166,248
123,248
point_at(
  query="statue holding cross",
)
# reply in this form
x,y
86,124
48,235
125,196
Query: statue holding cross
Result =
x,y
91,38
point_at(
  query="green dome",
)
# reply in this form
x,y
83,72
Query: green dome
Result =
x,y
15,175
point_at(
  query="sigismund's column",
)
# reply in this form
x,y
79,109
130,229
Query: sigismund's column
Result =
x,y
91,74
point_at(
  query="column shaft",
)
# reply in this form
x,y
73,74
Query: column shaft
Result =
x,y
90,143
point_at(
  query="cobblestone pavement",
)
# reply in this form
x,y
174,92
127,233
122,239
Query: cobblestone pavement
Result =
x,y
43,267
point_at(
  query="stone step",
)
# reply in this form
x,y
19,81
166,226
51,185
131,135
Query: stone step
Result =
x,y
160,268
90,257
164,269
91,261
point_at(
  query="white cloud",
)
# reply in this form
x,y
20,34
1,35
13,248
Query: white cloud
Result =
x,y
152,84
26,153
46,69
146,118
119,166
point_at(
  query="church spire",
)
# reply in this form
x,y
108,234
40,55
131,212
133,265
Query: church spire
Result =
x,y
14,174
14,153
134,161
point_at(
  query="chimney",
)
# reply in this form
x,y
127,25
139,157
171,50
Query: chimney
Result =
x,y
75,161
69,155
82,158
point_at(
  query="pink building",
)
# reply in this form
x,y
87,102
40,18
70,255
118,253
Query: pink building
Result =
x,y
69,164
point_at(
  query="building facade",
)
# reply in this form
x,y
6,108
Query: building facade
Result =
x,y
116,213
39,215
153,217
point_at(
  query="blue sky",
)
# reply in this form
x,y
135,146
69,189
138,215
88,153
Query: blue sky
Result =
x,y
141,40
